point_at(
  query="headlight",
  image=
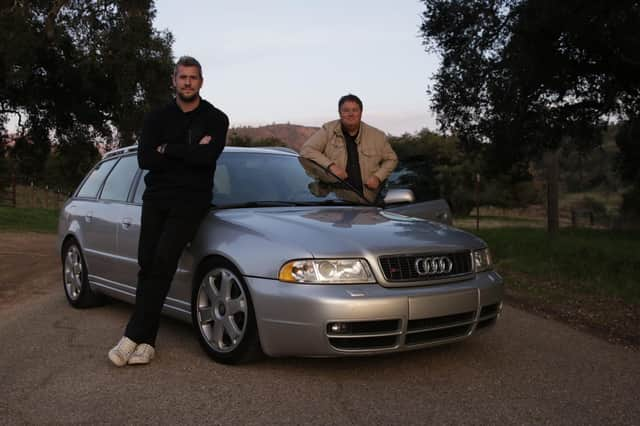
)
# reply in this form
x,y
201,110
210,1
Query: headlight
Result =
x,y
326,271
482,260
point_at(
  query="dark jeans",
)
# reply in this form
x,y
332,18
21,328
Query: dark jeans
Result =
x,y
164,232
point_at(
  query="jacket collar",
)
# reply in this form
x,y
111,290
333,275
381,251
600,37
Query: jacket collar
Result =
x,y
337,129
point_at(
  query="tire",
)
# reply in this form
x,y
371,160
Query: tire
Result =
x,y
223,316
75,278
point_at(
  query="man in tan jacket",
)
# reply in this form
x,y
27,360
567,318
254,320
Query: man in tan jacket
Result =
x,y
352,150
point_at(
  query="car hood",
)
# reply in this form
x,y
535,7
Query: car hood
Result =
x,y
348,231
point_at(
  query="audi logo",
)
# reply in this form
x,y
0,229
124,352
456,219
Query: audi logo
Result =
x,y
433,265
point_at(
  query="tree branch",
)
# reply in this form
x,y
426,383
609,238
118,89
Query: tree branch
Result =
x,y
50,22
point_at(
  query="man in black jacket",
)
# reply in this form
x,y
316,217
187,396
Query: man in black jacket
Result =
x,y
180,145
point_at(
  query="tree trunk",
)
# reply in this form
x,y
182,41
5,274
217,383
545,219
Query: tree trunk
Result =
x,y
551,160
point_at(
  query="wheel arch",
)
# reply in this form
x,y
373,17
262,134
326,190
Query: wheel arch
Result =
x,y
202,268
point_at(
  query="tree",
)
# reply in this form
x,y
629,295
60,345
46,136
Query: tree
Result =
x,y
524,77
71,160
628,141
92,63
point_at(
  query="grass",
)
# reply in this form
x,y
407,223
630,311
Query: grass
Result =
x,y
27,219
587,261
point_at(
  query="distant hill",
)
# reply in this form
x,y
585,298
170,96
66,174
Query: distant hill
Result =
x,y
291,134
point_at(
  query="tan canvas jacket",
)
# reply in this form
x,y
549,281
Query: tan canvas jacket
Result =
x,y
328,146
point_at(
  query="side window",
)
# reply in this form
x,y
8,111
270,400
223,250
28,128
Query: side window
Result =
x,y
92,184
116,187
140,189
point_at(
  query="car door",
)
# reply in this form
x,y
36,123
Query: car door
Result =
x,y
93,233
114,214
129,233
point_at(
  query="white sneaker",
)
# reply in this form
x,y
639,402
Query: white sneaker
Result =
x,y
143,354
120,353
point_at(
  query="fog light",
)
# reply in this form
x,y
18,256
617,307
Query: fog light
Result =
x,y
338,327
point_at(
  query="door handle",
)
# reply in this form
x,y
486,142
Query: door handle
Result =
x,y
88,216
126,223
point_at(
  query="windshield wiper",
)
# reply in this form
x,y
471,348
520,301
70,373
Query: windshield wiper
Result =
x,y
250,204
345,183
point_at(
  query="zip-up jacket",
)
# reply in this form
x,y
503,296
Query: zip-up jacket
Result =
x,y
184,172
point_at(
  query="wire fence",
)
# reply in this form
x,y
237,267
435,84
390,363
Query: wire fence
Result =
x,y
15,192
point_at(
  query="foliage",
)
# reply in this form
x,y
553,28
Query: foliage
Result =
x,y
436,166
71,161
29,156
530,75
589,169
238,140
628,141
92,63
521,77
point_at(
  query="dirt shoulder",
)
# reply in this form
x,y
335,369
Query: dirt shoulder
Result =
x,y
31,267
609,318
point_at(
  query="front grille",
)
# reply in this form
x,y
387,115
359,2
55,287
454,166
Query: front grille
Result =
x,y
434,335
446,320
403,267
486,323
354,343
362,335
382,335
426,330
490,310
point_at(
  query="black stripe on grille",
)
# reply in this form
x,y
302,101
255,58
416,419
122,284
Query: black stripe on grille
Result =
x,y
402,268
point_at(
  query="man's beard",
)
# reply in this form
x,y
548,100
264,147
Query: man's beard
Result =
x,y
188,99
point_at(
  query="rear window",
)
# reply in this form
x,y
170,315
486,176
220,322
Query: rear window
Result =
x,y
93,182
116,187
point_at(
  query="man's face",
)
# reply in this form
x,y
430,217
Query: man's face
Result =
x,y
350,114
187,81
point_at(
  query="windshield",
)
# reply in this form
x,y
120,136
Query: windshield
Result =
x,y
259,179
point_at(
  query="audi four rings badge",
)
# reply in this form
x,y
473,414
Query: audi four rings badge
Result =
x,y
433,265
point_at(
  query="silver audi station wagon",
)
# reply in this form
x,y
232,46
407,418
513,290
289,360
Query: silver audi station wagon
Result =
x,y
288,262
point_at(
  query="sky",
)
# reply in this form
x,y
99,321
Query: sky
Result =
x,y
289,61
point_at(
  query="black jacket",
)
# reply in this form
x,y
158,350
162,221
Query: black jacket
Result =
x,y
184,172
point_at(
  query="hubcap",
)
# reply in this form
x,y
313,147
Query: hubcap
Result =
x,y
222,310
73,273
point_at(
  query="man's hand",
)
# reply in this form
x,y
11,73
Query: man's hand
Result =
x,y
373,182
341,173
205,140
161,148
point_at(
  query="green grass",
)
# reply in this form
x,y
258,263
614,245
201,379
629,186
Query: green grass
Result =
x,y
24,219
589,261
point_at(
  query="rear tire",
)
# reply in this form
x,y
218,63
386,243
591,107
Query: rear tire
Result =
x,y
75,279
223,316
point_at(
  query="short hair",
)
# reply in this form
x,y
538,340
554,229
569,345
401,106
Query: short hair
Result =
x,y
187,61
349,97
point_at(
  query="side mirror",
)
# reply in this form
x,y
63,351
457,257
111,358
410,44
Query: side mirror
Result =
x,y
399,196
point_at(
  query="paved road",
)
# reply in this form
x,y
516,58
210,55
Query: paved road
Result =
x,y
528,370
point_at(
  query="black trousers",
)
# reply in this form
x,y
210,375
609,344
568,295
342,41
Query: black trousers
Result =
x,y
164,233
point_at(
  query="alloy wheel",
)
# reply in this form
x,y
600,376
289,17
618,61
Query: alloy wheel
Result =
x,y
222,310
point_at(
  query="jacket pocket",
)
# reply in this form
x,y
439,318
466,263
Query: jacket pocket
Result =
x,y
370,159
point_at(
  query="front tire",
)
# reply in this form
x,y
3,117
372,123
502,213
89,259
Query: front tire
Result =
x,y
75,279
223,315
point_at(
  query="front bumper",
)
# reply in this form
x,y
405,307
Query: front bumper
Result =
x,y
343,320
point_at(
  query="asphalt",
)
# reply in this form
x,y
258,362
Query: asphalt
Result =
x,y
527,370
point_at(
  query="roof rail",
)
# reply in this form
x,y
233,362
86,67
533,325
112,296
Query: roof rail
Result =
x,y
118,151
